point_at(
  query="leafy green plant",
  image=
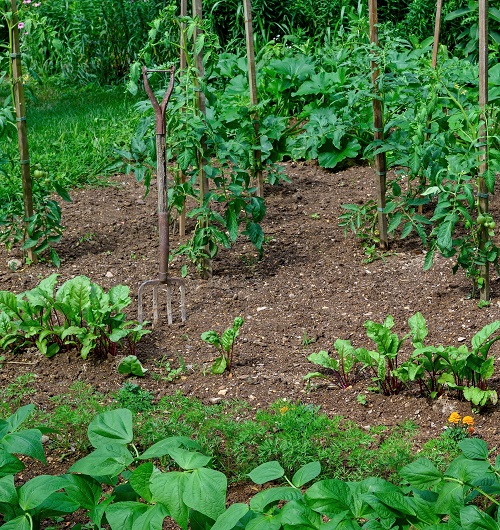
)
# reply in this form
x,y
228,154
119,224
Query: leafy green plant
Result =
x,y
80,314
342,366
224,345
168,373
383,362
131,365
436,368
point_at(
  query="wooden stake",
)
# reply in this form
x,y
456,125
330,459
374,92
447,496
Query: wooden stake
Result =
x,y
437,28
183,64
378,133
202,107
483,139
252,81
22,132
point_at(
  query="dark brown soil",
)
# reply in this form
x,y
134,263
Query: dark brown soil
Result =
x,y
311,283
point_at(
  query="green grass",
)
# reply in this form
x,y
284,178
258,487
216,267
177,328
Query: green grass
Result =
x,y
237,439
72,133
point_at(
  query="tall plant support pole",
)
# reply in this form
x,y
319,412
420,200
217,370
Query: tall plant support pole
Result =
x,y
202,107
22,133
437,29
183,64
378,132
483,139
252,81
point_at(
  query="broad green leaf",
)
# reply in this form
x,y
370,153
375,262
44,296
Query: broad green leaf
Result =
x,y
212,337
168,489
296,514
19,523
421,474
265,498
84,490
484,334
152,519
113,426
110,459
188,459
219,366
19,417
163,447
418,329
131,365
55,505
306,473
229,519
266,472
8,493
323,359
264,522
474,519
122,515
9,464
479,397
139,480
36,490
27,442
474,448
329,497
397,501
206,492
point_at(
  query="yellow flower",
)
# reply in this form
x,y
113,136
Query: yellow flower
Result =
x,y
283,410
468,420
454,417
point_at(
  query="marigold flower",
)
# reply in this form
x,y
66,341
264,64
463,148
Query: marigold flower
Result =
x,y
471,429
454,417
283,410
468,420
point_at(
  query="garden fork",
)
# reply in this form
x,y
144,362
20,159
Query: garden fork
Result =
x,y
163,228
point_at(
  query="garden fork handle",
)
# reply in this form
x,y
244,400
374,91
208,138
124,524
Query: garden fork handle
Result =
x,y
159,108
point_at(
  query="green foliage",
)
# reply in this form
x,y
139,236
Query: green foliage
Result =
x,y
79,314
342,366
141,495
131,365
135,398
224,345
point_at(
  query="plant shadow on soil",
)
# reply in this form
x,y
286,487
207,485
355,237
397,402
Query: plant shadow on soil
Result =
x,y
311,282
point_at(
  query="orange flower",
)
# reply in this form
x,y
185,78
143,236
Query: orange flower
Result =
x,y
470,429
454,417
468,420
283,410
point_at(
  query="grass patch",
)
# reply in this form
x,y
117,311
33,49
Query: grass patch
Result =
x,y
72,133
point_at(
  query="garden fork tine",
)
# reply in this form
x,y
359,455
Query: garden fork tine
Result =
x,y
161,179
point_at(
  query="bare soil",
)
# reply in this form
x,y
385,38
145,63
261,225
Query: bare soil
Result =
x,y
311,285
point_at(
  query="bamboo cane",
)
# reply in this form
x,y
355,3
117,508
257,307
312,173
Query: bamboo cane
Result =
x,y
252,81
378,133
437,28
22,132
202,107
183,63
483,140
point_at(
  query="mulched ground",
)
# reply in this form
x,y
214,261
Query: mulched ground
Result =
x,y
312,283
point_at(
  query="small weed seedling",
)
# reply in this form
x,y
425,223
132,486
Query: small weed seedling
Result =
x,y
224,345
306,341
170,374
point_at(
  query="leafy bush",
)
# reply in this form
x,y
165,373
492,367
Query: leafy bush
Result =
x,y
80,314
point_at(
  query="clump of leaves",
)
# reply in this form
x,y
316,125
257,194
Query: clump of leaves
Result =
x,y
342,366
131,365
224,344
135,398
79,314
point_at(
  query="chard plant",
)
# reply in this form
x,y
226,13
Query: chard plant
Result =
x,y
342,365
79,314
383,362
224,344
